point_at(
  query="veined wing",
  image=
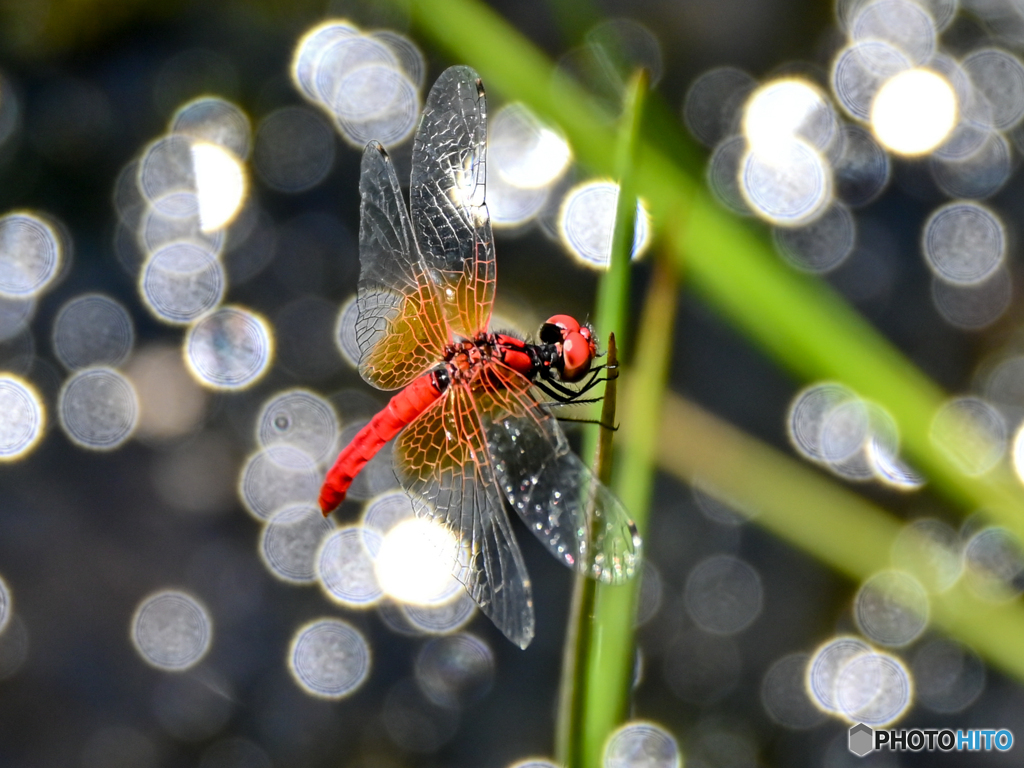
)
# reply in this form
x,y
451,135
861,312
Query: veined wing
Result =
x,y
401,329
450,218
549,486
442,462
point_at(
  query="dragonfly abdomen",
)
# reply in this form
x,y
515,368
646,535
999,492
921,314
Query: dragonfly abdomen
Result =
x,y
404,408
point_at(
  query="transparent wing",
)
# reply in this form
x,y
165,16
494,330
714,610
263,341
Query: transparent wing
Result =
x,y
549,486
400,328
442,462
450,219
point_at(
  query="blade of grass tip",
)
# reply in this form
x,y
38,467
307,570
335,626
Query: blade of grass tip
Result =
x,y
572,691
611,660
603,456
613,289
816,514
613,292
611,312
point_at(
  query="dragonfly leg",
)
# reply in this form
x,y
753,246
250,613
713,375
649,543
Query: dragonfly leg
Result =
x,y
559,391
569,394
613,428
561,394
584,401
571,399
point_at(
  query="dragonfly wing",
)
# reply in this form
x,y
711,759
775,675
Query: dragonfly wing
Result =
x,y
450,219
400,329
549,486
442,462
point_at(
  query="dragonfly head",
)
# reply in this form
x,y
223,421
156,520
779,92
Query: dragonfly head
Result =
x,y
575,344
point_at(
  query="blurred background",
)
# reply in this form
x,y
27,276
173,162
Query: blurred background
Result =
x,y
178,254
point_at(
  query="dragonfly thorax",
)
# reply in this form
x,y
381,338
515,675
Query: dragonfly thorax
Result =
x,y
465,359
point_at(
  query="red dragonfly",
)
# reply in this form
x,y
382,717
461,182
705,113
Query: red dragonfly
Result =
x,y
472,433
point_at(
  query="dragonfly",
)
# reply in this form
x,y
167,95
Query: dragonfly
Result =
x,y
473,434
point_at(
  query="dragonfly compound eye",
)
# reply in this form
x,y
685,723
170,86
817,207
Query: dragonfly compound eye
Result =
x,y
556,328
577,352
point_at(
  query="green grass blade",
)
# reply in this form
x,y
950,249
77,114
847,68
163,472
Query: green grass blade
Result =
x,y
611,656
569,727
799,320
613,293
818,515
583,674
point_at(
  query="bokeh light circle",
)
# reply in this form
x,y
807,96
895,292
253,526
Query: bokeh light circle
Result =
x,y
713,102
860,70
385,511
98,408
891,608
789,186
976,306
6,605
181,282
230,348
290,541
784,110
217,121
345,566
524,152
587,222
172,630
639,744
166,176
994,564
414,563
410,59
784,695
92,329
826,664
820,246
931,550
998,77
723,174
302,419
221,184
451,614
845,431
808,414
977,174
456,670
310,49
376,102
914,112
964,242
295,149
22,417
971,432
275,477
723,594
948,677
345,332
874,688
329,658
904,24
31,254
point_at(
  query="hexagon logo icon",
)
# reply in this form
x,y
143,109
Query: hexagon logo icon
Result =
x,y
861,740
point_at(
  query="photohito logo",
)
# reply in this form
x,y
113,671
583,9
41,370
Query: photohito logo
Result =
x,y
863,739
